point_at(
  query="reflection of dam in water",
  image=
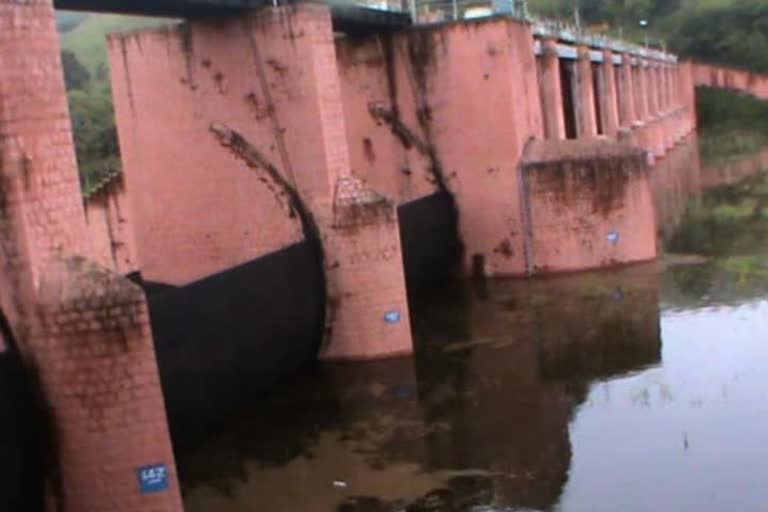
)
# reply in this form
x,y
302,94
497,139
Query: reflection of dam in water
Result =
x,y
482,417
675,181
479,419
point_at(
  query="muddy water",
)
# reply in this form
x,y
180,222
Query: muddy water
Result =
x,y
639,389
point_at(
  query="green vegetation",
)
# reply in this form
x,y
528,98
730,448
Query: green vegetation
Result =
x,y
729,220
87,39
746,269
730,124
729,224
86,73
733,32
66,21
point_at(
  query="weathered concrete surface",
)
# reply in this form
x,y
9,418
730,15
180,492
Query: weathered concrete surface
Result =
x,y
626,85
675,180
260,145
608,96
448,107
81,330
589,204
369,315
94,351
198,209
586,112
109,221
551,90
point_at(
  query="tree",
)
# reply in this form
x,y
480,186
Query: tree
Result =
x,y
76,76
93,123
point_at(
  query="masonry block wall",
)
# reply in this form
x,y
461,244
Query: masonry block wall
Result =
x,y
258,142
60,327
450,107
388,147
195,202
589,204
365,273
93,344
108,219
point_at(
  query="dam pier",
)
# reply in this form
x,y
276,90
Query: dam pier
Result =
x,y
294,173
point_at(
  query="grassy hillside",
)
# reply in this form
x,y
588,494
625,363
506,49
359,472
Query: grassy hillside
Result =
x,y
87,38
86,70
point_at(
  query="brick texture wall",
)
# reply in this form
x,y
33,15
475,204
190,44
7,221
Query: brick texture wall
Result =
x,y
258,134
589,205
34,111
198,209
450,106
387,145
368,309
82,328
108,219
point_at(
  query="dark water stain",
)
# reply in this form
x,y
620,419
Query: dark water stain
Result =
x,y
636,389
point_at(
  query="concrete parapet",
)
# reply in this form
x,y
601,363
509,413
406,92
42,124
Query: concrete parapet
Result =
x,y
755,84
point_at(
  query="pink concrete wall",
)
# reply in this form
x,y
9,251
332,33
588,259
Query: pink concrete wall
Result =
x,y
40,190
110,230
687,90
675,181
661,99
730,78
391,156
589,205
258,133
198,209
584,99
94,349
468,97
609,106
82,329
369,309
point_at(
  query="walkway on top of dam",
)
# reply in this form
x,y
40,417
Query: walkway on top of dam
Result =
x,y
359,18
348,16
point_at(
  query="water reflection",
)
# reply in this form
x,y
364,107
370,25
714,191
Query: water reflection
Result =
x,y
479,418
634,390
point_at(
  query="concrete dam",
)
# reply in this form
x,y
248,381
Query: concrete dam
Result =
x,y
291,175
